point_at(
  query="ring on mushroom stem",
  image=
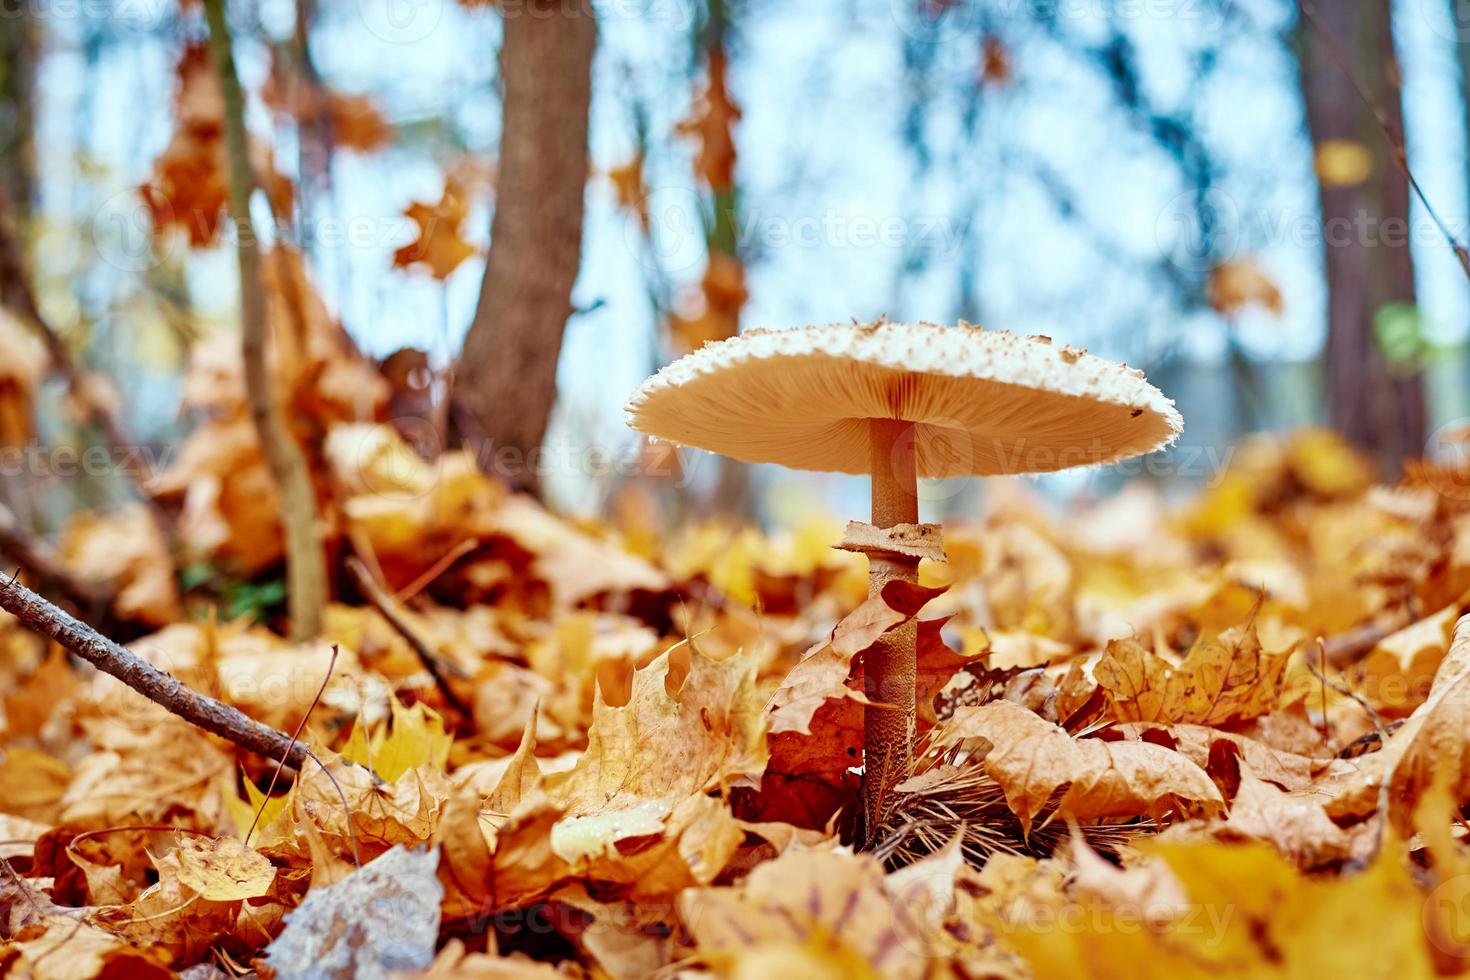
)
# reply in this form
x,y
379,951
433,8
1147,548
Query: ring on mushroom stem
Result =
x,y
900,402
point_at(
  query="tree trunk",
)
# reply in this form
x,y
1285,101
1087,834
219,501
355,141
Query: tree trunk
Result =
x,y
19,56
1376,404
1461,24
306,565
507,373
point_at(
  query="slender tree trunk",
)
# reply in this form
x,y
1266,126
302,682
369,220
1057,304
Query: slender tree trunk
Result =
x,y
1378,405
19,56
1462,49
507,373
306,564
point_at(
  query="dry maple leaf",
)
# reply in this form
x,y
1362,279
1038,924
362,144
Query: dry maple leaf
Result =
x,y
21,373
722,295
222,869
353,121
31,704
188,189
126,550
1033,759
821,911
58,947
1241,282
816,716
621,938
690,725
1216,751
1396,674
1221,682
378,815
1295,823
1249,913
439,245
173,918
712,125
1429,745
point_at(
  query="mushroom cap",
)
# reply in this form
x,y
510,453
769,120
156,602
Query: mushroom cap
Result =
x,y
982,402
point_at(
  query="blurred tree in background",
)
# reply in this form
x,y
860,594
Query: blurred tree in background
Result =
x,y
620,183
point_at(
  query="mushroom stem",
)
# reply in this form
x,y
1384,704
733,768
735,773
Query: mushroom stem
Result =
x,y
889,664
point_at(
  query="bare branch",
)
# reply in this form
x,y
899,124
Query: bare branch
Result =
x,y
158,686
18,296
46,568
380,600
306,565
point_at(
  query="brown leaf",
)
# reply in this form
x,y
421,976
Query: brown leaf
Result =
x,y
1033,760
712,126
1295,823
816,716
1430,744
1219,683
690,725
440,245
1396,674
127,551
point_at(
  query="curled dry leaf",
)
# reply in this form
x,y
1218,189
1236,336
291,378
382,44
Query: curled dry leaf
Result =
x,y
127,551
1032,760
223,869
1219,683
1396,674
1221,754
1429,745
1248,913
822,912
1295,823
816,715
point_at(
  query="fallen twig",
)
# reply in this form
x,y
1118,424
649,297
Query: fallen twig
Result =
x,y
1348,648
1373,716
158,686
437,666
47,569
18,296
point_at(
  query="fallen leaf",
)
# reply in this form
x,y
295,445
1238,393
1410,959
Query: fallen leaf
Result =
x,y
1033,759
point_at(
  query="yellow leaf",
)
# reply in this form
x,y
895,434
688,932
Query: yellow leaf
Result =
x,y
1249,913
417,739
1221,682
223,869
1343,163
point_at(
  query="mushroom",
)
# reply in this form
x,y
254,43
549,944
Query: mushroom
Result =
x,y
900,402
